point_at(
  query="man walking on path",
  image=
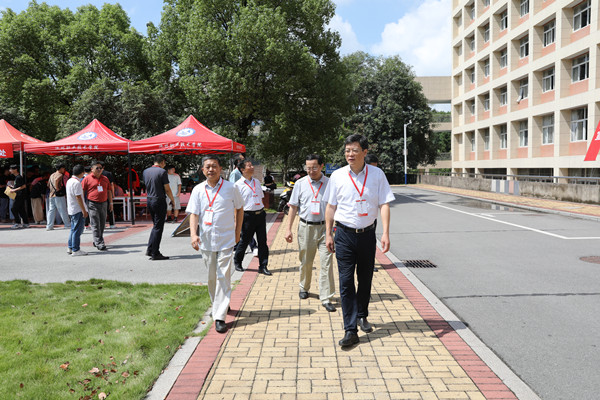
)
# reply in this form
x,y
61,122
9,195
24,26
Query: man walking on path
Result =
x,y
354,195
254,219
307,200
216,209
99,195
77,211
157,189
18,208
57,199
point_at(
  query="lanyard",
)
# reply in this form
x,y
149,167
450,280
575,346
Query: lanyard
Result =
x,y
253,184
210,203
313,190
360,192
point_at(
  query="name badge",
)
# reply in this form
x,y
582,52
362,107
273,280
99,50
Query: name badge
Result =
x,y
208,217
361,207
256,200
100,188
315,207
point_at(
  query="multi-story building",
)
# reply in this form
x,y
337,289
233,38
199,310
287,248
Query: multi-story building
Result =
x,y
525,86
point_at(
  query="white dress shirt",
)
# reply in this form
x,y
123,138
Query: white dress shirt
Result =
x,y
343,193
220,235
303,197
252,193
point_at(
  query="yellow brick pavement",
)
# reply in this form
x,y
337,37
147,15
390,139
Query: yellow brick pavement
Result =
x,y
282,347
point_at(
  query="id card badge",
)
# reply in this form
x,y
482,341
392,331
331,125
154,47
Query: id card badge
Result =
x,y
315,207
208,217
361,207
256,200
100,189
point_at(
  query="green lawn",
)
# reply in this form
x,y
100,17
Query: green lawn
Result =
x,y
78,339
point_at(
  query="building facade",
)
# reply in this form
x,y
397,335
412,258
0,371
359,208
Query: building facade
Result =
x,y
525,86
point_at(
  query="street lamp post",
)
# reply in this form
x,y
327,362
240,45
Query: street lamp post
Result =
x,y
405,152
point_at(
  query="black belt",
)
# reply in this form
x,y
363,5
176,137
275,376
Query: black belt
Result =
x,y
312,222
354,230
255,212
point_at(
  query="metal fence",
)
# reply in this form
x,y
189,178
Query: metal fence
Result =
x,y
578,180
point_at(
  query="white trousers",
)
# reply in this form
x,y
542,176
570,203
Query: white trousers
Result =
x,y
219,265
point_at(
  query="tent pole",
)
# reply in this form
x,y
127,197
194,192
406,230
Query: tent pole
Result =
x,y
130,184
21,158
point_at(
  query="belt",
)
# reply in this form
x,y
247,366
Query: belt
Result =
x,y
312,222
354,230
98,202
255,212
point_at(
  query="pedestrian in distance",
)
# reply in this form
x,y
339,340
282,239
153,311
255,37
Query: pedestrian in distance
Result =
x,y
77,211
354,196
175,184
307,201
156,180
235,174
216,215
111,180
254,219
56,198
97,188
19,189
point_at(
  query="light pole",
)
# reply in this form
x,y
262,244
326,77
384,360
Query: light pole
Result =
x,y
405,152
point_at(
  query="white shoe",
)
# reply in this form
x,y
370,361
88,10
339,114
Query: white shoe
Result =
x,y
25,226
69,251
79,253
16,226
112,227
49,229
255,252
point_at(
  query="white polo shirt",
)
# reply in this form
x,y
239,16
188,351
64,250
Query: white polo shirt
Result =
x,y
252,193
344,190
308,197
73,189
225,199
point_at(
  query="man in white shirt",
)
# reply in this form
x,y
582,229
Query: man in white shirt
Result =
x,y
354,196
215,208
76,210
175,184
254,218
307,200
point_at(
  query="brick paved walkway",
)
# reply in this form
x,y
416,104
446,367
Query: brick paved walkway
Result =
x,y
281,347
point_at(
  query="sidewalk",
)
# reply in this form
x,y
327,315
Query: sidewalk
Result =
x,y
281,347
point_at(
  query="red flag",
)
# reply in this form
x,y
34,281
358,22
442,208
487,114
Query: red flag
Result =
x,y
594,148
6,150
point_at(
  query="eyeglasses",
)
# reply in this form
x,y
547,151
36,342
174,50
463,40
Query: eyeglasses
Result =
x,y
353,151
312,168
98,167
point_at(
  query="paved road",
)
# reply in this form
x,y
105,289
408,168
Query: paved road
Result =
x,y
516,279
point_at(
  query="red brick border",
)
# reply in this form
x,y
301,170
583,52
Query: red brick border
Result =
x,y
191,379
486,380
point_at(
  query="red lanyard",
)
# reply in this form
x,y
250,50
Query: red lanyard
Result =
x,y
210,203
360,192
313,190
253,184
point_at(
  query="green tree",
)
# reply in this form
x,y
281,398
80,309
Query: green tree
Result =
x,y
386,97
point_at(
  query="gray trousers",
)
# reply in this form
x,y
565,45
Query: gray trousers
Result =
x,y
97,213
310,239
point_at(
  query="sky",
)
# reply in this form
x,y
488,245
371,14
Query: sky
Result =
x,y
416,30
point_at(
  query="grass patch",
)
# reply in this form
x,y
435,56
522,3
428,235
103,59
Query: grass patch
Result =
x,y
78,339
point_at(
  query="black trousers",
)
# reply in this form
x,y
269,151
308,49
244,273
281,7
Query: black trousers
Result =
x,y
158,212
18,210
355,253
253,223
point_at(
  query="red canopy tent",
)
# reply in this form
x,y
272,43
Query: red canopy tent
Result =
x,y
189,137
95,138
13,140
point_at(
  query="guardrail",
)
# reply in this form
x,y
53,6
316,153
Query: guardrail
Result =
x,y
579,180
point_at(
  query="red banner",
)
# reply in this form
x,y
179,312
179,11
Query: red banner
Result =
x,y
6,150
594,148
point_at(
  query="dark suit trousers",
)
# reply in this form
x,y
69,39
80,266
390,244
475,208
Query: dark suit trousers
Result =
x,y
158,212
253,223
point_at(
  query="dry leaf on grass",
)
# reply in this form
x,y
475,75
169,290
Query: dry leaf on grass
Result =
x,y
94,370
65,366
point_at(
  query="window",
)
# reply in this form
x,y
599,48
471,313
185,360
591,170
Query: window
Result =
x,y
472,13
524,7
581,15
523,134
459,20
486,33
549,33
503,58
486,140
471,73
504,96
486,102
486,3
548,129
524,47
523,89
503,137
504,20
472,138
548,80
581,68
579,125
472,43
486,68
472,107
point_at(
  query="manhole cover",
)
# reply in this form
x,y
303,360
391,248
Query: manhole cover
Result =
x,y
591,259
419,264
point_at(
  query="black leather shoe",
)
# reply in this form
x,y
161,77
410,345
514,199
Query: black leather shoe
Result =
x,y
350,338
239,268
102,248
303,295
159,257
329,307
264,271
220,326
148,253
374,269
365,326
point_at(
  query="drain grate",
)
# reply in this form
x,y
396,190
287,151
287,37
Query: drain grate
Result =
x,y
591,259
419,264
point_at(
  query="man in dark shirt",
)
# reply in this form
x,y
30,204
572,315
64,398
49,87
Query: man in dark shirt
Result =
x,y
156,180
4,201
18,208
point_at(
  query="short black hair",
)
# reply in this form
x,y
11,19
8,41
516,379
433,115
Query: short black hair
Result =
x,y
206,158
78,169
87,168
315,157
169,167
243,163
96,162
356,138
159,158
59,166
13,166
371,158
